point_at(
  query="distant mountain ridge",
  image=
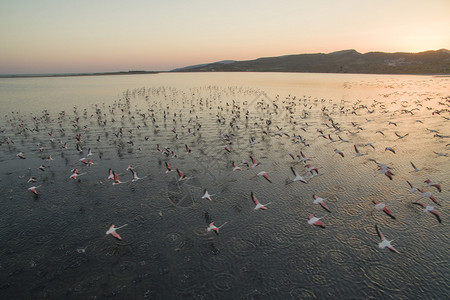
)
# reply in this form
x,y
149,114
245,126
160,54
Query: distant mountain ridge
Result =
x,y
345,61
202,65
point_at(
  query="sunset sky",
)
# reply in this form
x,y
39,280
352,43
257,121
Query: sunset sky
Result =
x,y
57,36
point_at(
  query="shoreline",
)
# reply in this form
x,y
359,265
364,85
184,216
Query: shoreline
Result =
x,y
78,74
9,76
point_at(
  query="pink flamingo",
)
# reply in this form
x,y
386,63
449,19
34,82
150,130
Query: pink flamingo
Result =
x,y
258,205
112,230
430,209
318,200
384,242
214,228
315,221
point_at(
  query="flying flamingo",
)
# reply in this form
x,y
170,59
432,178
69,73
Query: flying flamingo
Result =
x,y
264,174
181,175
358,154
371,145
298,177
116,179
430,209
315,221
415,168
429,195
236,167
75,174
389,149
214,228
314,171
206,195
318,200
111,175
135,176
302,157
254,163
437,186
413,189
112,231
87,162
33,189
382,206
188,150
385,170
384,242
258,205
339,152
168,168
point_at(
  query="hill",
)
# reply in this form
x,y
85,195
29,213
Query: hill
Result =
x,y
346,61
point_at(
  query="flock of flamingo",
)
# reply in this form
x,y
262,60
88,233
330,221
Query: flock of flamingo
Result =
x,y
342,128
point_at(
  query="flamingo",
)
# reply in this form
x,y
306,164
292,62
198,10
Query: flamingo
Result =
x,y
314,171
430,209
389,149
339,152
258,205
236,167
358,154
385,170
75,174
111,175
318,200
437,186
168,168
206,195
298,177
382,206
428,195
264,174
20,155
112,231
413,189
87,162
188,150
302,157
135,176
371,145
33,189
254,163
181,175
384,242
315,221
215,228
291,155
401,136
116,179
415,168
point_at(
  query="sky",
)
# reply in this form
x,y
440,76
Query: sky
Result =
x,y
63,36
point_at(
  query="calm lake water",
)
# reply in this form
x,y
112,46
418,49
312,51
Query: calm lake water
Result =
x,y
54,243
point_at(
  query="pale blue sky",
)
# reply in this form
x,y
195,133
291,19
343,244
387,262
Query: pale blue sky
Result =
x,y
54,36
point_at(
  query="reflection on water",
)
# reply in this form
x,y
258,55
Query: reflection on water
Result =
x,y
55,244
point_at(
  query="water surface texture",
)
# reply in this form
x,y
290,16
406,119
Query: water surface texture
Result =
x,y
55,243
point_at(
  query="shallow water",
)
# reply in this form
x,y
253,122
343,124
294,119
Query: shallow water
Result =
x,y
54,243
